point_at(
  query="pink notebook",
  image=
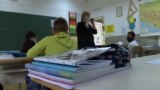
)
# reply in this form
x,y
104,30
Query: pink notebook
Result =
x,y
51,77
52,82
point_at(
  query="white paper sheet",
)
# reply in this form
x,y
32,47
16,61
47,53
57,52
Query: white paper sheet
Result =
x,y
157,61
4,56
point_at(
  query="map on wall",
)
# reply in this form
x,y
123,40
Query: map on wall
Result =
x,y
150,16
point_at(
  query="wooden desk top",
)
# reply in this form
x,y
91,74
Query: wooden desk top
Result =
x,y
51,86
21,60
14,61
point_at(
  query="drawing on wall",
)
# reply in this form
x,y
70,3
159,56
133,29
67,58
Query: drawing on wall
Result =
x,y
119,12
72,23
99,37
109,28
131,21
150,17
132,9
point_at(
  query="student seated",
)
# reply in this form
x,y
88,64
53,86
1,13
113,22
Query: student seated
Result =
x,y
30,41
50,45
132,42
54,44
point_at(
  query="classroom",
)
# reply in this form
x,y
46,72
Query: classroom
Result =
x,y
79,44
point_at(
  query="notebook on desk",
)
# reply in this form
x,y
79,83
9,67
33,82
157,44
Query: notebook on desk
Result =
x,y
73,58
14,53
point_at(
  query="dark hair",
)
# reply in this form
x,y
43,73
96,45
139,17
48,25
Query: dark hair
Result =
x,y
131,33
30,34
60,25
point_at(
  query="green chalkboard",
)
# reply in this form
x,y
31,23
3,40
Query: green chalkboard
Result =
x,y
14,26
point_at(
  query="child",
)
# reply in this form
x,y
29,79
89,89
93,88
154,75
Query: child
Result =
x,y
54,44
30,41
132,42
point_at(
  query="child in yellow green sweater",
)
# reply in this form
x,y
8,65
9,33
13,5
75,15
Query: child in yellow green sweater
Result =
x,y
50,45
55,44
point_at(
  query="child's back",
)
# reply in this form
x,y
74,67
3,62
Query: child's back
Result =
x,y
58,43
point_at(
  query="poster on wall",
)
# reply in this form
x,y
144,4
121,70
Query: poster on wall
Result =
x,y
72,23
109,28
150,17
131,21
99,37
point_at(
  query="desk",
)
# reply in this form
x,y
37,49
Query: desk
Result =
x,y
22,60
51,86
140,77
151,50
13,75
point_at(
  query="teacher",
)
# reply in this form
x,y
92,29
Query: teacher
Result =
x,y
85,30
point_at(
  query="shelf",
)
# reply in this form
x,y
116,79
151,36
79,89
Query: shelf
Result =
x,y
150,34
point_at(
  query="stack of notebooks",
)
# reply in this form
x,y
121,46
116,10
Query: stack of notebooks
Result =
x,y
70,69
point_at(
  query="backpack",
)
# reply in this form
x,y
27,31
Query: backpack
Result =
x,y
118,54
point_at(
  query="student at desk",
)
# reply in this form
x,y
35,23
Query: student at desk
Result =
x,y
30,41
132,42
55,44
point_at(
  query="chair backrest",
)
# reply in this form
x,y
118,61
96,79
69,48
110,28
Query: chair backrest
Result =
x,y
138,51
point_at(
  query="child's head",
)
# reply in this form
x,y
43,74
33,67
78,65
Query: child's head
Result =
x,y
30,35
130,36
60,25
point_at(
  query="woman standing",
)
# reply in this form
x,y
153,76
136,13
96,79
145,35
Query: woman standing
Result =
x,y
85,30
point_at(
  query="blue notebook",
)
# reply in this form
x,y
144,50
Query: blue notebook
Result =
x,y
51,71
56,66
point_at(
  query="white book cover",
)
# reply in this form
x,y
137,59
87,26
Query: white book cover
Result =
x,y
74,57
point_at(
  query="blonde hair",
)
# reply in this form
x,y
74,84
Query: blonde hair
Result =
x,y
60,25
85,13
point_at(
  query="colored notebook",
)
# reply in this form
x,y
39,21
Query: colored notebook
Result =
x,y
70,75
51,82
82,67
69,81
51,71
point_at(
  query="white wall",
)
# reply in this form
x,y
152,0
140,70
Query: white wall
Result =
x,y
53,8
56,8
107,8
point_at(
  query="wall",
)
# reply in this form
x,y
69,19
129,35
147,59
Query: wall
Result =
x,y
150,21
107,8
54,8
